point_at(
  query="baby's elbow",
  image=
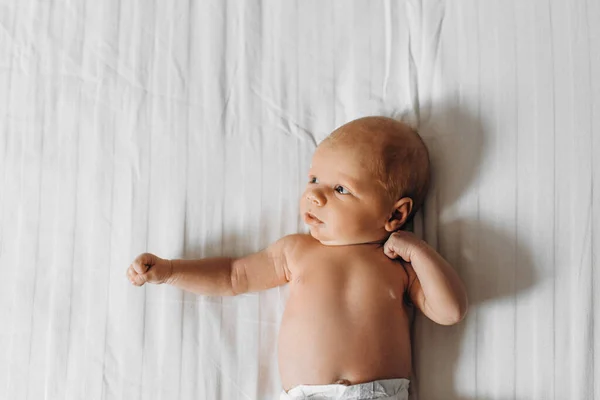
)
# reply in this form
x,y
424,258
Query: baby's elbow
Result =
x,y
464,308
450,320
238,278
453,316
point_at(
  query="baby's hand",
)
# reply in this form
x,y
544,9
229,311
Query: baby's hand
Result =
x,y
402,244
149,268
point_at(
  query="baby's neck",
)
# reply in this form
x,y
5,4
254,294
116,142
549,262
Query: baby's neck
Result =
x,y
375,244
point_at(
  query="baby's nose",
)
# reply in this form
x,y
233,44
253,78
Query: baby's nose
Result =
x,y
316,198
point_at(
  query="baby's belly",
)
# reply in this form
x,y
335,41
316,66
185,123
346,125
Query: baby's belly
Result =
x,y
327,336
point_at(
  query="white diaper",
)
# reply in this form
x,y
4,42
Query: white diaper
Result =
x,y
392,389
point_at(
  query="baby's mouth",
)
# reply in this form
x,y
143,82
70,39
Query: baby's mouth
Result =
x,y
310,219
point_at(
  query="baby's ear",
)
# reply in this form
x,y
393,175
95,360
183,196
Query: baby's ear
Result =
x,y
399,215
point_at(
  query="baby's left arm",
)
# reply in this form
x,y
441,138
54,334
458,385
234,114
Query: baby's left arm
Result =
x,y
434,286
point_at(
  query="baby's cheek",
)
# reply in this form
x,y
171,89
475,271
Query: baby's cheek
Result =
x,y
363,220
352,226
302,207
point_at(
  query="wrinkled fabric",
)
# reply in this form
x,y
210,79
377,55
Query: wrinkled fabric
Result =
x,y
185,128
392,389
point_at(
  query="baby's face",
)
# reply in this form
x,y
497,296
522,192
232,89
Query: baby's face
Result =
x,y
343,203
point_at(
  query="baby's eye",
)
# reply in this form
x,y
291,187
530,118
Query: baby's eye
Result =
x,y
341,190
313,179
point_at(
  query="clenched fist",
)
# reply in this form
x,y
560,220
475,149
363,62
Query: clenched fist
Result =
x,y
402,244
149,268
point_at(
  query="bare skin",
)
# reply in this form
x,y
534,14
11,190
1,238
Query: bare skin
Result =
x,y
346,319
352,280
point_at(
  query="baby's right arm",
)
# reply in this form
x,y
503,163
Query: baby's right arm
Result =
x,y
221,276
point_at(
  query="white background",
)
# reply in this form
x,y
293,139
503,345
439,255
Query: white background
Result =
x,y
186,129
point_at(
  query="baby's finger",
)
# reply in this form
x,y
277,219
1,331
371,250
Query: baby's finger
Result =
x,y
140,279
131,273
141,263
389,251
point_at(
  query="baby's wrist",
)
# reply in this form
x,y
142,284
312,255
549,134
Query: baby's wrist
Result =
x,y
171,274
419,249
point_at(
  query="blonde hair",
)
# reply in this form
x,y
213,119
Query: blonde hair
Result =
x,y
400,160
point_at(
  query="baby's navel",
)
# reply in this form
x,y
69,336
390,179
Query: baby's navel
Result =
x,y
344,382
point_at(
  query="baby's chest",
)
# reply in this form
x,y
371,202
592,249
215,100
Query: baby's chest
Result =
x,y
359,275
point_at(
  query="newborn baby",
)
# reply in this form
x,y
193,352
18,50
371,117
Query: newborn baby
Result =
x,y
345,332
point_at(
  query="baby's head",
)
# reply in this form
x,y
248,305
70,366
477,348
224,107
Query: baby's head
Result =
x,y
367,179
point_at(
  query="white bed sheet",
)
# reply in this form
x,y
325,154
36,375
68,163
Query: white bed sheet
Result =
x,y
186,128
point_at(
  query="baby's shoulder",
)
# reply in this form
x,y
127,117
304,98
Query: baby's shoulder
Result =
x,y
298,243
296,246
